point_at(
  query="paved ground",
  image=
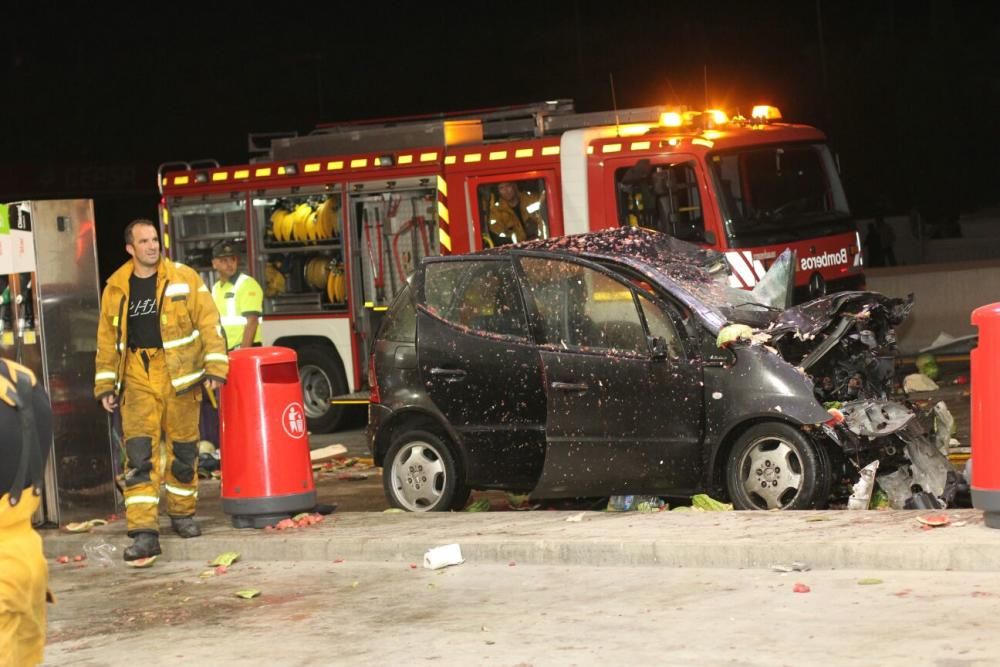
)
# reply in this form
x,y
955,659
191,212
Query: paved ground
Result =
x,y
327,613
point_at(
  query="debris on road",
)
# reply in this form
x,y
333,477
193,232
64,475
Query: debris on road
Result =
x,y
226,558
800,588
576,518
443,556
248,593
141,562
870,581
917,382
794,566
862,495
478,505
706,503
934,520
84,526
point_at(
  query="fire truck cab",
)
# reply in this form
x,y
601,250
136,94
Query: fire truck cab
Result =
x,y
334,222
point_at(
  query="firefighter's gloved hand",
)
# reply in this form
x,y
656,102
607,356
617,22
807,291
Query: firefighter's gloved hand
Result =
x,y
212,384
110,402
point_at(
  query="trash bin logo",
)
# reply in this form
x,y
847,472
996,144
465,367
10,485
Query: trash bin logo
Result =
x,y
293,420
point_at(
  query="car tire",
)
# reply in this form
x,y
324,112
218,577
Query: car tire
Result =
x,y
420,474
322,379
776,466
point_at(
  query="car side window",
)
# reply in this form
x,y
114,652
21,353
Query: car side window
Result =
x,y
580,308
400,323
661,326
480,295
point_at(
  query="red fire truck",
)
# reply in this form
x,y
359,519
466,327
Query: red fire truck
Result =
x,y
334,222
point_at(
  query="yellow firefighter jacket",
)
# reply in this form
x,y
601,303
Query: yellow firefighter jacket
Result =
x,y
505,225
193,346
23,571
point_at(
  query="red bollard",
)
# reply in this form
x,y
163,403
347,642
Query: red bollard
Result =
x,y
266,470
985,363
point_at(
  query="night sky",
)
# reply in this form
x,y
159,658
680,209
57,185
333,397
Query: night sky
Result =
x,y
907,91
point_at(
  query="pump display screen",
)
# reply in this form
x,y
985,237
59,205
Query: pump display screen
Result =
x,y
780,193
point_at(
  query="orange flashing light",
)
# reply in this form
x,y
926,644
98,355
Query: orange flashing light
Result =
x,y
632,130
717,116
766,112
671,119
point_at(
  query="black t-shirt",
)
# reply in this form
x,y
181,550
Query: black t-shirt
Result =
x,y
10,439
143,318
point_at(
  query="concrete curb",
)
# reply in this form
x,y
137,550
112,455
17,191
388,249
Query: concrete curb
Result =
x,y
824,540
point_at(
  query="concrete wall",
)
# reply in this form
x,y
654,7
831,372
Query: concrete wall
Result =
x,y
945,296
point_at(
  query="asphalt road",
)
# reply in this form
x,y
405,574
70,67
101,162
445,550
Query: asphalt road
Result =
x,y
329,613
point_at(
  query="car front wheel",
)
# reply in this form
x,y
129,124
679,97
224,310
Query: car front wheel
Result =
x,y
420,474
775,466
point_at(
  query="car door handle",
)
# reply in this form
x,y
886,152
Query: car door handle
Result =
x,y
449,374
570,386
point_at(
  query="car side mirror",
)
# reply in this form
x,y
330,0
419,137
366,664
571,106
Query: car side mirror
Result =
x,y
658,347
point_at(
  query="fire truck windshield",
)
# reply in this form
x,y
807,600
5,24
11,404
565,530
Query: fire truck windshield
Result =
x,y
779,193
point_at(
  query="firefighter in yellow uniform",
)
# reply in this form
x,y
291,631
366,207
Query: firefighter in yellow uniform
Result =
x,y
238,297
25,441
158,341
514,217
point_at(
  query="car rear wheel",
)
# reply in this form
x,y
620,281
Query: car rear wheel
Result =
x,y
775,466
420,474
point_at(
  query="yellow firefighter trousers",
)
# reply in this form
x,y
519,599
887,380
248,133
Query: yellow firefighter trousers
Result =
x,y
23,584
150,407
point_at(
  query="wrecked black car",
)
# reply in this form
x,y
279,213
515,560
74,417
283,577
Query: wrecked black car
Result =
x,y
620,362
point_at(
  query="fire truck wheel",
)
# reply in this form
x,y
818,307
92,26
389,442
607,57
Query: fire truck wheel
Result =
x,y
420,474
775,466
321,379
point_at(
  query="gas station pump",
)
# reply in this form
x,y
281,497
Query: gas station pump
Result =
x,y
49,306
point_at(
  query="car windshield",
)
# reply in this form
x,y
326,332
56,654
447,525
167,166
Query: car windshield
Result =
x,y
777,194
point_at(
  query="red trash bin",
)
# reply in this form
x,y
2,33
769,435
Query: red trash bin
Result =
x,y
266,470
985,370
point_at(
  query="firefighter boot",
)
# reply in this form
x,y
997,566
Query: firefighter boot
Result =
x,y
146,544
185,526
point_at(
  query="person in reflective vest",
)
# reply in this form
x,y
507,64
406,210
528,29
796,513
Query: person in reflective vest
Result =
x,y
25,441
158,341
238,297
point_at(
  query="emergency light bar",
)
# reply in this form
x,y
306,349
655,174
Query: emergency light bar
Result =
x,y
766,112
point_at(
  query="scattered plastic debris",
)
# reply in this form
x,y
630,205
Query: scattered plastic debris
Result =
x,y
862,494
443,556
248,593
636,504
916,382
576,518
101,552
870,581
794,566
800,588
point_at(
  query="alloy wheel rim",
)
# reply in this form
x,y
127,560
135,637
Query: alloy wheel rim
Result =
x,y
418,476
771,473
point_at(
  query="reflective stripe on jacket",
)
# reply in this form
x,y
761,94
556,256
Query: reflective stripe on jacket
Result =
x,y
236,301
189,327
